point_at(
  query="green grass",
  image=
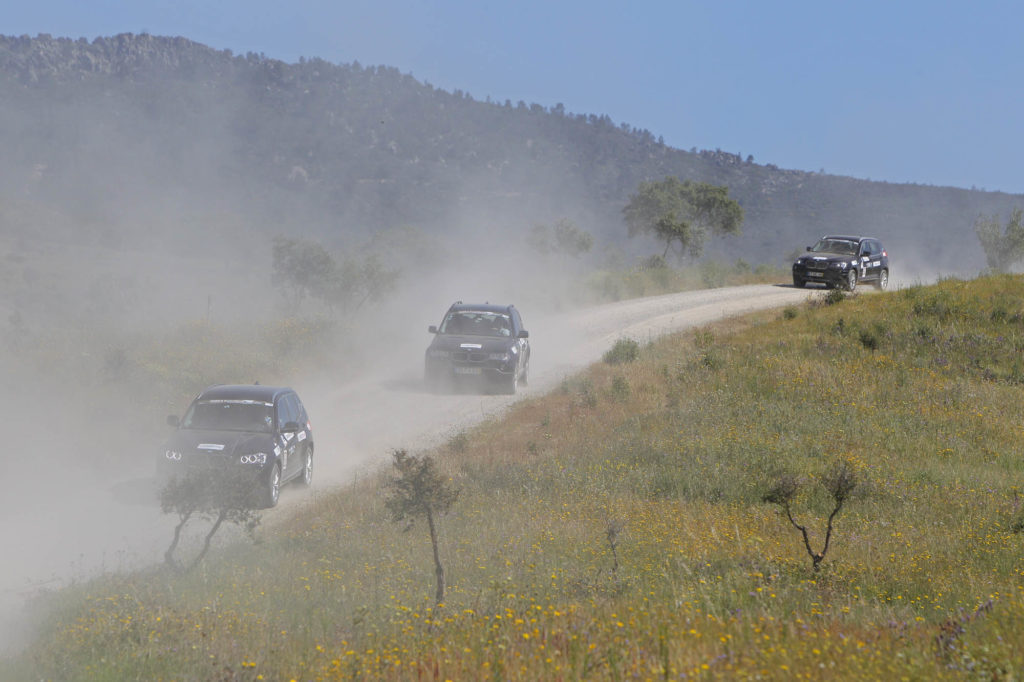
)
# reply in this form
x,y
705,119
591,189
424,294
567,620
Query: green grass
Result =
x,y
654,278
918,389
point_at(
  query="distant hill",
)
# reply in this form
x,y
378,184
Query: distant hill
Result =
x,y
136,140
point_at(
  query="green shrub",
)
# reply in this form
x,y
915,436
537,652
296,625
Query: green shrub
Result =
x,y
624,350
620,389
869,339
834,296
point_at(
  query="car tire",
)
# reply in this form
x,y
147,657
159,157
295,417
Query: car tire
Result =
x,y
799,283
512,383
851,280
306,477
883,280
271,488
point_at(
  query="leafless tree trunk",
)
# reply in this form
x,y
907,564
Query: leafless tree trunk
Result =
x,y
209,536
169,554
438,568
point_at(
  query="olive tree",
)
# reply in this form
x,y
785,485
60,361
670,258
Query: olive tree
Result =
x,y
354,282
304,269
564,238
301,268
1004,247
197,496
682,213
419,490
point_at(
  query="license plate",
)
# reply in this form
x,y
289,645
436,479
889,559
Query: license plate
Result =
x,y
815,274
467,370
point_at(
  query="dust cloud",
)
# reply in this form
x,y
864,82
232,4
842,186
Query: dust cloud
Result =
x,y
89,319
92,419
112,265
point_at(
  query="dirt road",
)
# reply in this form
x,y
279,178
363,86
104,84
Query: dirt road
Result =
x,y
367,419
70,524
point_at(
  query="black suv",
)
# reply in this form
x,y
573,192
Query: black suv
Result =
x,y
257,435
843,261
479,342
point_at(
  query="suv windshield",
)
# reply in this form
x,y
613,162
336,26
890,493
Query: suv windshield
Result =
x,y
230,415
476,323
840,246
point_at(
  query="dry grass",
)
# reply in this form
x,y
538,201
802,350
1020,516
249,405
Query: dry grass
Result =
x,y
917,389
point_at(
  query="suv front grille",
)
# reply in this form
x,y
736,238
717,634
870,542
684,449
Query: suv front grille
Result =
x,y
466,356
203,461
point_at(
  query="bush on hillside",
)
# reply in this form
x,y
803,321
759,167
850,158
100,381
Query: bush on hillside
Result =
x,y
624,350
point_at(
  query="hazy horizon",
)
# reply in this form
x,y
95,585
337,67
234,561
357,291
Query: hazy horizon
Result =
x,y
910,93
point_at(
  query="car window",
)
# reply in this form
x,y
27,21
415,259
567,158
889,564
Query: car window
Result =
x,y
476,323
229,415
300,410
286,411
840,246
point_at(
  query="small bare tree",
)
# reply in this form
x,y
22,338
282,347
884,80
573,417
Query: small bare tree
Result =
x,y
197,496
839,481
612,532
419,490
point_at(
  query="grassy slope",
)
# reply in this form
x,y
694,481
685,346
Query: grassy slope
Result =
x,y
918,389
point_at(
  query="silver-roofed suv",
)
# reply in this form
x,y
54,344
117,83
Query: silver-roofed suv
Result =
x,y
253,435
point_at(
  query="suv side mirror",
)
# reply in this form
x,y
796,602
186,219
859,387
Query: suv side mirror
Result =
x,y
432,329
172,420
523,334
290,427
809,248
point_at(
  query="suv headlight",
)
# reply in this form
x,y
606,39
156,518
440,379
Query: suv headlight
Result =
x,y
841,265
173,455
254,458
437,353
501,357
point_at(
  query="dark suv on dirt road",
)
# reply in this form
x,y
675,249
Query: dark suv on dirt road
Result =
x,y
252,435
479,343
844,261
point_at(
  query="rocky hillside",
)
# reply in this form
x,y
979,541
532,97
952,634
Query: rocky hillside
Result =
x,y
136,140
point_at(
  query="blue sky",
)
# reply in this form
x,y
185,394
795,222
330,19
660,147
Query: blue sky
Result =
x,y
926,92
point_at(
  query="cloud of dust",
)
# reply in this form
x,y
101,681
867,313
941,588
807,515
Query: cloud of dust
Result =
x,y
121,221
118,225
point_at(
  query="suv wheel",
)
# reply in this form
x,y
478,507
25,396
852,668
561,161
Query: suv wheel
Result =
x,y
306,479
851,280
272,488
883,280
512,384
799,283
